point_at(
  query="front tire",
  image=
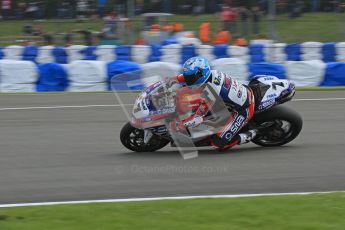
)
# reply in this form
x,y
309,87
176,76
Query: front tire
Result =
x,y
277,126
133,139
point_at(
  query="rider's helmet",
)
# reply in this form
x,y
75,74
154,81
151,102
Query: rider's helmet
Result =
x,y
196,71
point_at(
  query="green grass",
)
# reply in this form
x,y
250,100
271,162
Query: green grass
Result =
x,y
319,211
321,88
14,28
321,27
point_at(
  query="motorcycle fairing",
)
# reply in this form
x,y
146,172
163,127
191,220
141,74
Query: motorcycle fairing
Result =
x,y
270,90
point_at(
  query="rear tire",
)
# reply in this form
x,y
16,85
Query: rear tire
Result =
x,y
275,117
133,139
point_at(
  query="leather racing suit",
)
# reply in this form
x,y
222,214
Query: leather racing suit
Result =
x,y
240,101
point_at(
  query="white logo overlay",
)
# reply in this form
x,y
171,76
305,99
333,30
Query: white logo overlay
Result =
x,y
155,118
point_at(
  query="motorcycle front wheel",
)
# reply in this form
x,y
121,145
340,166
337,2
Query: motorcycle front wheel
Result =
x,y
277,126
133,139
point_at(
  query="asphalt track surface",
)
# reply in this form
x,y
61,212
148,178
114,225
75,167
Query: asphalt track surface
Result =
x,y
65,154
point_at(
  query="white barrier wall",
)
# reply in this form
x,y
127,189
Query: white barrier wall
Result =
x,y
157,71
233,66
171,53
239,52
22,76
278,54
105,53
257,51
87,76
74,53
13,52
140,53
206,51
268,47
185,41
45,54
18,76
340,51
306,73
311,51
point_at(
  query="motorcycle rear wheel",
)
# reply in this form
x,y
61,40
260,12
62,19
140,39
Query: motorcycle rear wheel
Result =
x,y
279,126
133,139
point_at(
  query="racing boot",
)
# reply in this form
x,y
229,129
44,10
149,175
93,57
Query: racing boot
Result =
x,y
246,137
220,145
241,138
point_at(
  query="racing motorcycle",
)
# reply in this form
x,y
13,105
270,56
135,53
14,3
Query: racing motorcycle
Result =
x,y
157,107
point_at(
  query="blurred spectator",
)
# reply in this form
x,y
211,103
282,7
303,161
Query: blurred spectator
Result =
x,y
140,41
342,7
38,30
139,8
28,29
155,27
127,31
338,6
214,6
185,8
101,7
228,17
48,40
64,10
166,6
148,22
82,9
296,8
244,15
68,39
178,27
198,8
110,25
6,6
155,5
256,15
263,4
167,27
204,32
40,14
89,38
281,6
222,37
121,9
20,10
315,5
31,11
240,41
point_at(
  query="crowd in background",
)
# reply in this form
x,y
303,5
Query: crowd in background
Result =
x,y
239,19
65,9
22,10
30,9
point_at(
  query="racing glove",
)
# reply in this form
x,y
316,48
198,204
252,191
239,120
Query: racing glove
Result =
x,y
198,117
193,121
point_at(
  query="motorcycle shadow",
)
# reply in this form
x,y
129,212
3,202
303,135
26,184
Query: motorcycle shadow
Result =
x,y
209,151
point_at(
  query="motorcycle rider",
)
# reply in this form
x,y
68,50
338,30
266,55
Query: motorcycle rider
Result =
x,y
196,74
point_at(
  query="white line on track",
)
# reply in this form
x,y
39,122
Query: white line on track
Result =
x,y
320,99
95,106
160,198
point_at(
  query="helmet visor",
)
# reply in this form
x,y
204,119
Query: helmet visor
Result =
x,y
191,79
